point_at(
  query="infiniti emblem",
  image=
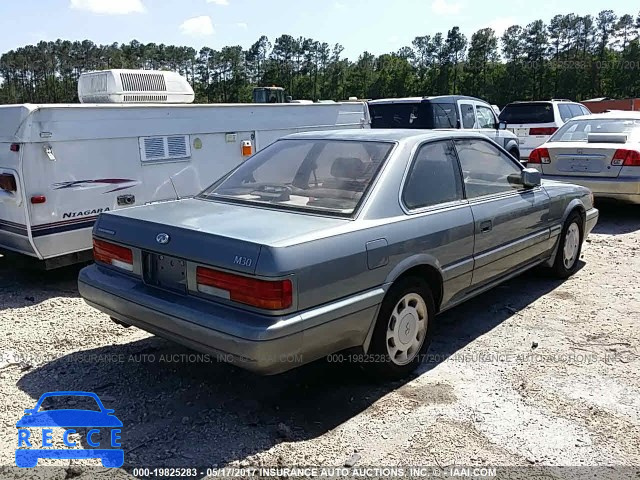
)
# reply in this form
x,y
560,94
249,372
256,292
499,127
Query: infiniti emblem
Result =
x,y
163,238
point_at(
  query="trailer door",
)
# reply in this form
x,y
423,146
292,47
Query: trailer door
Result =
x,y
13,219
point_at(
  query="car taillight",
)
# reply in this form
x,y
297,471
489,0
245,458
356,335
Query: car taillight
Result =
x,y
539,155
8,182
543,131
112,254
267,294
626,158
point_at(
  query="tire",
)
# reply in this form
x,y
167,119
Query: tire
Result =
x,y
515,153
570,246
413,296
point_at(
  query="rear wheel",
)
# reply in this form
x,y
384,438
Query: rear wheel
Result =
x,y
515,153
402,331
566,262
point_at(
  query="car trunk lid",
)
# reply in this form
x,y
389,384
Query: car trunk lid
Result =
x,y
212,233
581,159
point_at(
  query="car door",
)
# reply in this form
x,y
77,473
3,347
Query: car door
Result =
x,y
511,222
487,123
467,115
440,220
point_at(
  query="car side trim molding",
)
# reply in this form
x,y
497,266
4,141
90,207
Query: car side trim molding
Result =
x,y
484,258
489,286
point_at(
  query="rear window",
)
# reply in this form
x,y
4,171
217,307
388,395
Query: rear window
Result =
x,y
527,113
425,115
579,130
323,176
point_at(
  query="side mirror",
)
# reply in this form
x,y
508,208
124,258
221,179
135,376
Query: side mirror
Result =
x,y
530,177
502,126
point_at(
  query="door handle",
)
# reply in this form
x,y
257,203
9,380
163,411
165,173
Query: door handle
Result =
x,y
486,226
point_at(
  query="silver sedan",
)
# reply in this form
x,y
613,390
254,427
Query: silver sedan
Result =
x,y
600,152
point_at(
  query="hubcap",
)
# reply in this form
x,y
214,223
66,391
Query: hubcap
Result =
x,y
407,329
571,245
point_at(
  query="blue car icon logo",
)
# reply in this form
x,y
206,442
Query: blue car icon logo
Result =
x,y
100,422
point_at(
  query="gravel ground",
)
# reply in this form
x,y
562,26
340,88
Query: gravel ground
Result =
x,y
535,372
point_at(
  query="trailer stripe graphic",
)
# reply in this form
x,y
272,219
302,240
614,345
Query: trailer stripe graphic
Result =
x,y
61,227
48,228
118,183
12,227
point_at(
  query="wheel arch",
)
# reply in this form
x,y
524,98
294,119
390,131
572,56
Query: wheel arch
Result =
x,y
422,266
426,267
574,205
512,146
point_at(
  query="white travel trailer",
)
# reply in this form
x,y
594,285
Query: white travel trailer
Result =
x,y
62,165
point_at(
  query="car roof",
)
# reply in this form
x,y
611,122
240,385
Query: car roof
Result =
x,y
614,115
441,98
541,101
384,134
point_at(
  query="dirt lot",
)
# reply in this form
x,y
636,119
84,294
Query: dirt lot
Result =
x,y
535,372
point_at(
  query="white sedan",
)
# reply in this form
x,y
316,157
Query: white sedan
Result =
x,y
599,151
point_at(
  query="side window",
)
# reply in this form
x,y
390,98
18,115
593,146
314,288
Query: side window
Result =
x,y
434,177
486,169
486,118
565,112
575,110
468,115
444,115
585,110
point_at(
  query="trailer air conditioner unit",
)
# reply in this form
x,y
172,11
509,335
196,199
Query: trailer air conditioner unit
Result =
x,y
134,86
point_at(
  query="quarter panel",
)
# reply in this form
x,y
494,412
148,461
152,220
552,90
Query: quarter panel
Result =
x,y
335,267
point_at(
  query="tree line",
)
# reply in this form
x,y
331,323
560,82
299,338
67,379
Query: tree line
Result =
x,y
571,56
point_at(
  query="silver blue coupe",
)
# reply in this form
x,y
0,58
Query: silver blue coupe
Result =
x,y
327,241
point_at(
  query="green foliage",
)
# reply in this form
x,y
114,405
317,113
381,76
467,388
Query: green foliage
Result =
x,y
573,56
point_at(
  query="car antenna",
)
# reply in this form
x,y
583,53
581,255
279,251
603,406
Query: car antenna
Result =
x,y
174,189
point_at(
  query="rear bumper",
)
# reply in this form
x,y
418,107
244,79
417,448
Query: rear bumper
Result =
x,y
626,188
263,344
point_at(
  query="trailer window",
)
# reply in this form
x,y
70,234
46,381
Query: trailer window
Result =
x,y
319,175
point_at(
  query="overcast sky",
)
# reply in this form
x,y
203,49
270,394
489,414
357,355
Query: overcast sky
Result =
x,y
378,26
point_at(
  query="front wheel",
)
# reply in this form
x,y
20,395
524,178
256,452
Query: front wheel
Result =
x,y
566,262
402,331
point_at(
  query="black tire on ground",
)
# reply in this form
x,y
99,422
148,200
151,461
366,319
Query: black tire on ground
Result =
x,y
378,362
515,153
565,267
